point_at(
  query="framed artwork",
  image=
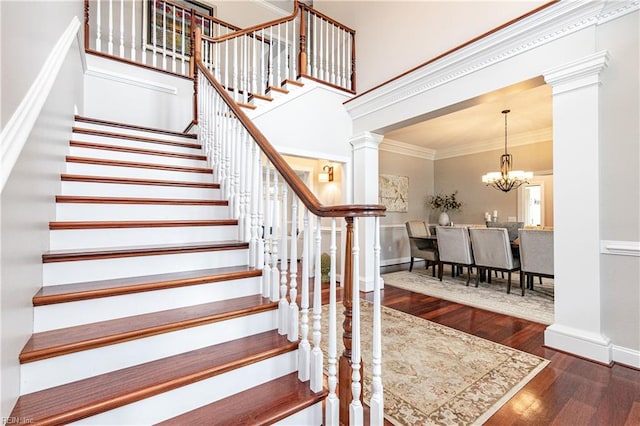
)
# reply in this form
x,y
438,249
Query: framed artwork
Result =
x,y
394,192
170,24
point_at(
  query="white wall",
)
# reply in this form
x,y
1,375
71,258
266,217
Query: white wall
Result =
x,y
395,36
27,198
130,94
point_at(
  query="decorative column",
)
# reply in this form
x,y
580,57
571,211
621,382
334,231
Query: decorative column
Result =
x,y
365,191
578,315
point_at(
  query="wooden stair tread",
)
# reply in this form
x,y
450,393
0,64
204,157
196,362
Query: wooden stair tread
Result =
x,y
248,106
261,405
277,89
77,400
67,340
114,287
155,250
134,127
120,163
134,200
80,130
261,97
107,147
62,225
136,181
293,82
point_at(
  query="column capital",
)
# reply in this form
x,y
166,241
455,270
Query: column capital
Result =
x,y
580,73
366,140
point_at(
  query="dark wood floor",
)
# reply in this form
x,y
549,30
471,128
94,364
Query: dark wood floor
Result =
x,y
569,391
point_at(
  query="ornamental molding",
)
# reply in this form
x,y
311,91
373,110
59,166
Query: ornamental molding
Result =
x,y
397,147
548,25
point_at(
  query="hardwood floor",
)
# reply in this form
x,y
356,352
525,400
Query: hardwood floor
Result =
x,y
569,391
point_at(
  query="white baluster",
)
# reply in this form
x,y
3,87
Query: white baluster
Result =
x,y
173,38
308,42
98,26
225,45
355,408
245,70
315,46
236,153
242,165
122,28
316,353
164,35
275,272
247,170
321,58
254,64
260,247
349,64
332,407
263,73
183,39
377,399
110,42
266,273
255,196
333,54
271,56
286,50
279,74
133,31
304,348
283,306
154,36
293,272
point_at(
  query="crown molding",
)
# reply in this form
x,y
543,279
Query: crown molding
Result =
x,y
545,26
403,148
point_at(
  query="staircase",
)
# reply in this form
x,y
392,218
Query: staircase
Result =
x,y
148,312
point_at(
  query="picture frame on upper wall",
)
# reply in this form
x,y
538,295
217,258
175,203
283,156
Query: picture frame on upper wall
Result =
x,y
394,192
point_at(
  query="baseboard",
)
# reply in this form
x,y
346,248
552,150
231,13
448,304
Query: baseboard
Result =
x,y
626,356
580,343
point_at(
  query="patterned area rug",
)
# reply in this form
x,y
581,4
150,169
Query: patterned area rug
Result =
x,y
536,305
435,375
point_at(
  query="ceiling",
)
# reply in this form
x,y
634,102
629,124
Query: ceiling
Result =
x,y
478,125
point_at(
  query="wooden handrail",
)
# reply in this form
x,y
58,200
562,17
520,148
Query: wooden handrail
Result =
x,y
327,18
302,191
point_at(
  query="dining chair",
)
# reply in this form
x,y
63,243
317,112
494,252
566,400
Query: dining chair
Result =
x,y
492,251
454,248
420,246
511,227
536,255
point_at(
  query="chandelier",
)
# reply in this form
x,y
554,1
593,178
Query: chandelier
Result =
x,y
506,179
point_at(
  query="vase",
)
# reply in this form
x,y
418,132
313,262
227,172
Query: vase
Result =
x,y
443,219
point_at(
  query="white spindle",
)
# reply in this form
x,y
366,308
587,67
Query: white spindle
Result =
x,y
164,35
242,190
271,56
182,43
248,169
310,36
293,272
110,42
321,57
260,248
377,400
98,26
254,63
266,270
286,50
245,70
332,407
173,38
263,89
122,28
279,74
316,353
333,54
154,36
315,46
275,273
304,348
133,31
355,408
236,158
283,306
236,95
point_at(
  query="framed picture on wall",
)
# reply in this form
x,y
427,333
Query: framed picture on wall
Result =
x,y
394,192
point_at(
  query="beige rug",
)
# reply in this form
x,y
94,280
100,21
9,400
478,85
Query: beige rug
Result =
x,y
536,305
435,375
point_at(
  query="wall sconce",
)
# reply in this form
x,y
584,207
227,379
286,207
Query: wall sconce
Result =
x,y
326,175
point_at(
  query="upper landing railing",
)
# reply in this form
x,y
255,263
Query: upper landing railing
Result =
x,y
252,61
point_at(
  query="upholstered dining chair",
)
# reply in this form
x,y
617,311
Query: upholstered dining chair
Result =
x,y
420,246
492,251
536,255
454,248
511,227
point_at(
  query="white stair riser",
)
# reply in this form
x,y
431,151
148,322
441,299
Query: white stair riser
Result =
x,y
136,172
181,400
62,369
135,157
104,269
99,189
113,212
118,237
132,143
310,416
133,132
60,315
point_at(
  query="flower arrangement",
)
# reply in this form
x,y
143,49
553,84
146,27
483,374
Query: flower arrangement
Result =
x,y
444,202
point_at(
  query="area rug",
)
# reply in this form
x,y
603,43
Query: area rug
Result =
x,y
536,305
435,375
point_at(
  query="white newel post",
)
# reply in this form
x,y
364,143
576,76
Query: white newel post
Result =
x,y
578,314
365,191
